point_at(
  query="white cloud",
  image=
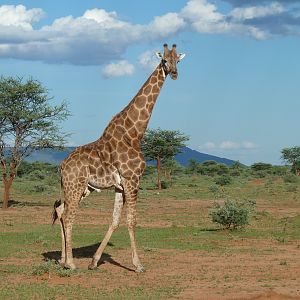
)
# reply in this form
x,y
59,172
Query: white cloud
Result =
x,y
96,37
166,25
148,60
204,17
19,16
201,10
121,68
246,13
99,36
228,145
248,145
258,33
106,19
208,146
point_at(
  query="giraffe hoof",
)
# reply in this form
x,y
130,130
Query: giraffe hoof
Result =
x,y
140,269
69,266
92,267
61,262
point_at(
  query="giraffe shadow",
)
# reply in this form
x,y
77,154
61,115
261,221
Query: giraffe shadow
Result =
x,y
16,203
86,252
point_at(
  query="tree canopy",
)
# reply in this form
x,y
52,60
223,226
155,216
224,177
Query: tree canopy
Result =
x,y
292,156
161,145
28,122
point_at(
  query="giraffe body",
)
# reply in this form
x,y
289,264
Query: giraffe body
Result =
x,y
114,160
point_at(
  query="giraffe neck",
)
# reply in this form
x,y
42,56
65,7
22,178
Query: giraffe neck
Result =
x,y
132,121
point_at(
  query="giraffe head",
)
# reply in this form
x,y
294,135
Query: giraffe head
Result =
x,y
169,60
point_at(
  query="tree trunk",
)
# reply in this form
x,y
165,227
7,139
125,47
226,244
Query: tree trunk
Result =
x,y
169,175
158,166
7,185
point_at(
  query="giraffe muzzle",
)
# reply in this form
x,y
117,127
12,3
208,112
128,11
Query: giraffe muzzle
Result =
x,y
174,75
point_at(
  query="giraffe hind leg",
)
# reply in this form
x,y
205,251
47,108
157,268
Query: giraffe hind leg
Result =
x,y
57,214
68,218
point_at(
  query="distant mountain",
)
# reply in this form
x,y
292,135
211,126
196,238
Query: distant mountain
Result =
x,y
50,155
55,156
188,154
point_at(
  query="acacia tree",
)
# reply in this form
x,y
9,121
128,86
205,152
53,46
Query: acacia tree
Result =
x,y
27,123
292,156
161,145
170,165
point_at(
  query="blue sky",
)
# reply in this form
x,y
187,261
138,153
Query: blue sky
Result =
x,y
237,95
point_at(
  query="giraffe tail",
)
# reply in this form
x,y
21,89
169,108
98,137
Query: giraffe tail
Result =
x,y
57,210
59,207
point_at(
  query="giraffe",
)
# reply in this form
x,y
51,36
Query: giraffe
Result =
x,y
114,160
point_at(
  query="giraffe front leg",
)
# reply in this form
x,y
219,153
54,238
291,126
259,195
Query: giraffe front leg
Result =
x,y
131,223
118,205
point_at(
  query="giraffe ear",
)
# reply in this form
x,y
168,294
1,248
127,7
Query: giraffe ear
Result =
x,y
181,56
159,55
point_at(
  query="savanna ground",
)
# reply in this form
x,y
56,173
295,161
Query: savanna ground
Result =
x,y
186,256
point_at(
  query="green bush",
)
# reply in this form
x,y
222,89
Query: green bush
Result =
x,y
223,180
235,173
214,188
290,178
280,170
261,170
165,184
232,213
24,168
38,188
36,175
291,188
50,266
260,166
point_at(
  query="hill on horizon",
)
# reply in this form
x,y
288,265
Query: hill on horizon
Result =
x,y
188,154
56,156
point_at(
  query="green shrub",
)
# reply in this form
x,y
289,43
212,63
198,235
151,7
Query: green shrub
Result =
x,y
223,180
290,178
214,188
232,213
291,188
260,174
38,188
50,266
24,168
212,168
280,170
260,166
36,175
43,268
165,184
235,172
36,169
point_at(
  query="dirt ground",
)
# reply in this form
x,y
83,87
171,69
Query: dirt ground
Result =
x,y
272,271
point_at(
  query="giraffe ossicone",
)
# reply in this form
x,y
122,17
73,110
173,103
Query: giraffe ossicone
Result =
x,y
114,160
